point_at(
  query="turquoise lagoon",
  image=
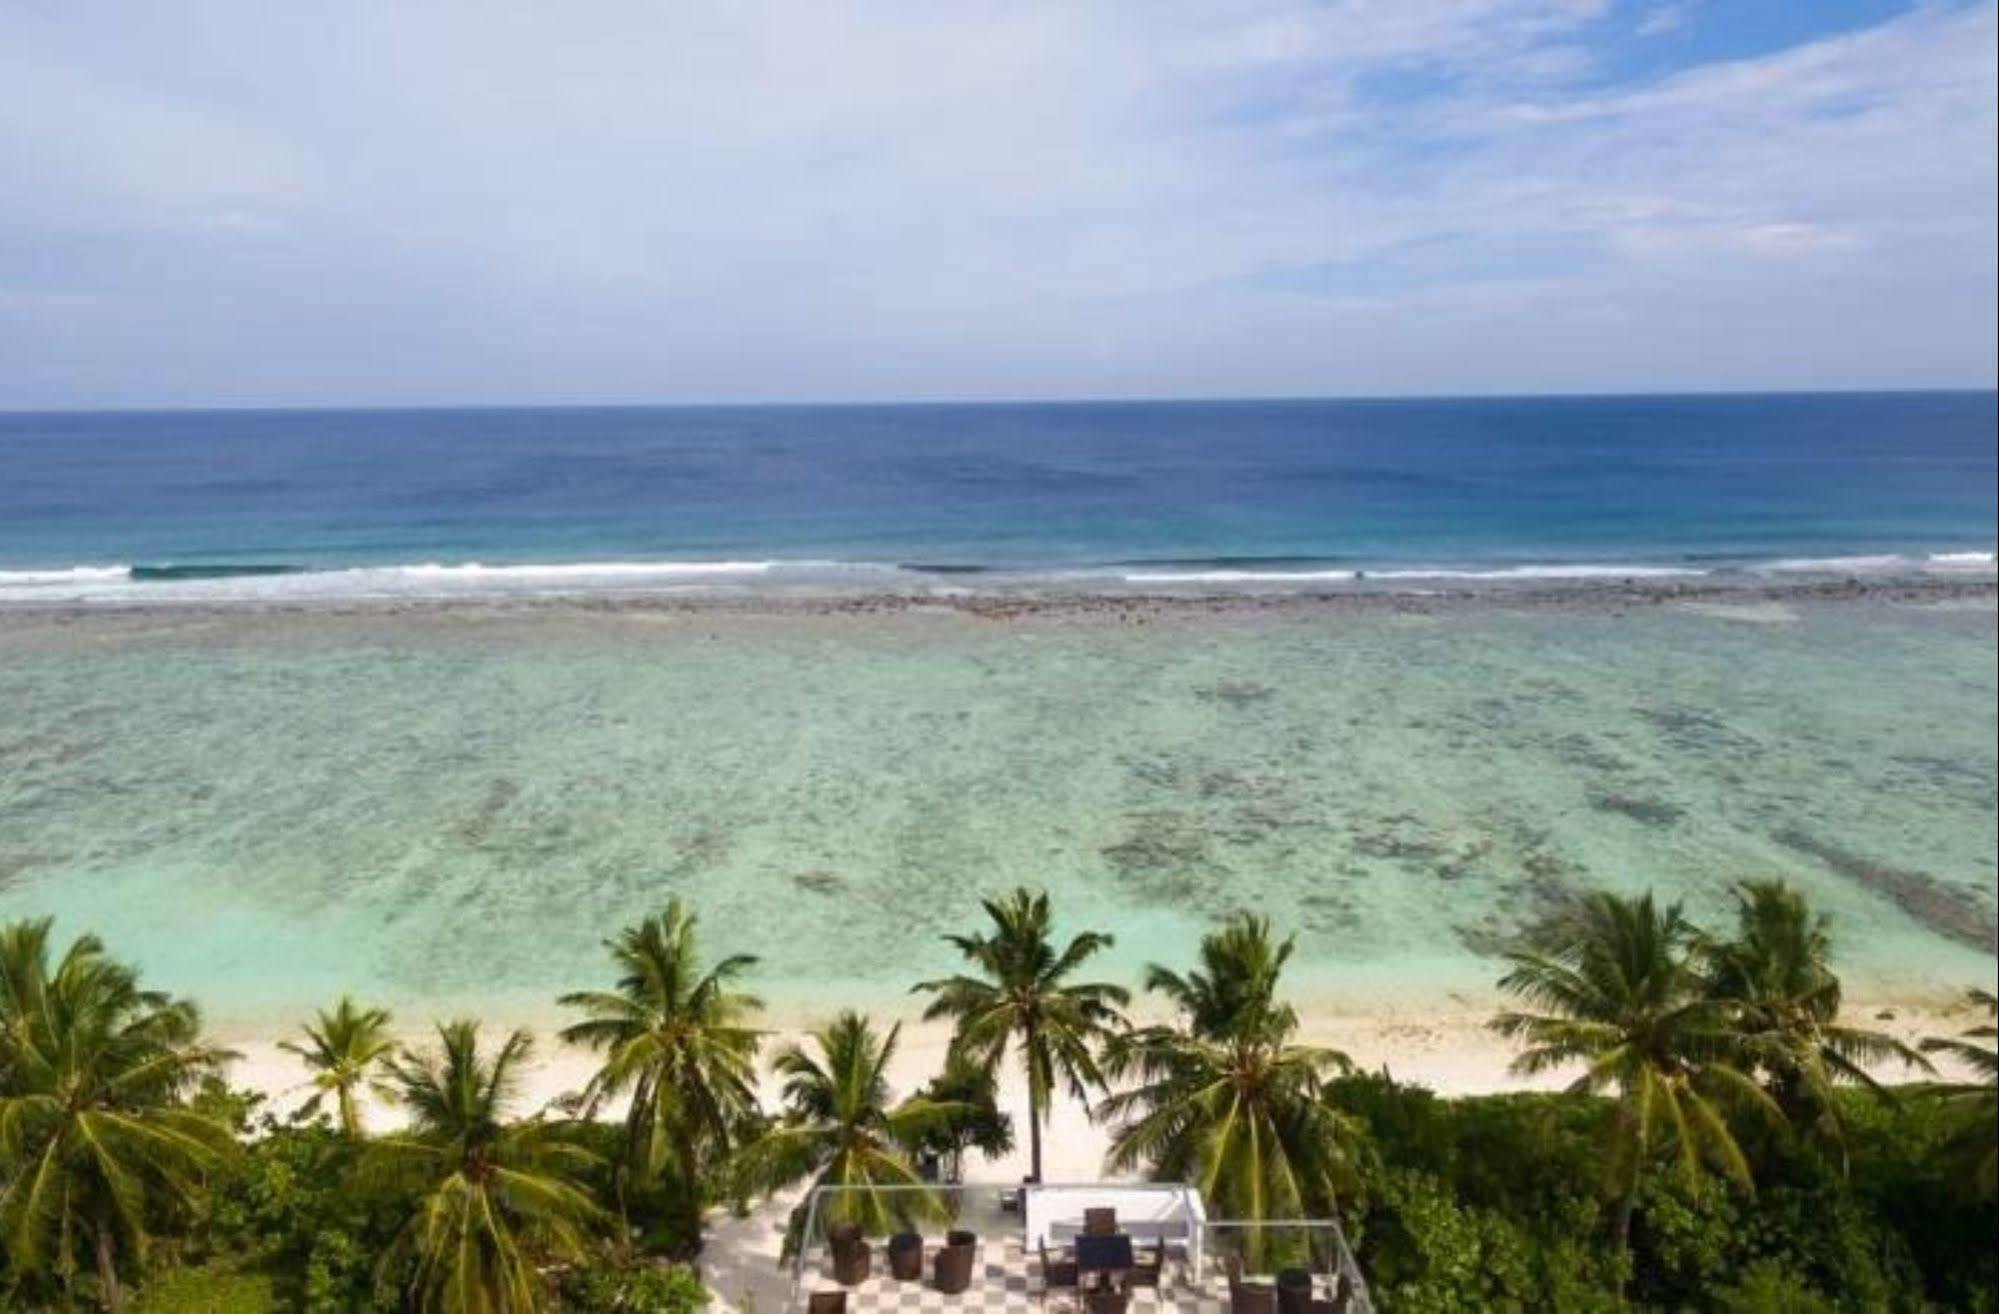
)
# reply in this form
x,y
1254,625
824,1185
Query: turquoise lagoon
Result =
x,y
449,807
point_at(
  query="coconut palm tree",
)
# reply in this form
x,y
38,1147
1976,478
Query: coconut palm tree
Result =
x,y
344,1049
1976,1146
677,1037
840,1128
1235,988
1022,996
1225,1099
1614,989
1774,977
94,1140
493,1196
980,1126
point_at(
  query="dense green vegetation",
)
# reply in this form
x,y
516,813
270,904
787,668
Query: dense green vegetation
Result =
x,y
1724,1143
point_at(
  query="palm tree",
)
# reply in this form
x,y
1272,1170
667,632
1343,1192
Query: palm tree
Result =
x,y
1235,988
343,1049
840,1128
94,1140
981,1126
677,1038
1977,1143
494,1195
1617,992
1225,1099
1023,996
1775,978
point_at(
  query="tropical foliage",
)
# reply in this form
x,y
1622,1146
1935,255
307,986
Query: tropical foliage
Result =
x,y
841,1128
491,1194
1021,994
1775,978
676,1038
344,1049
95,1142
1612,989
130,1175
1226,1099
974,1121
1975,1145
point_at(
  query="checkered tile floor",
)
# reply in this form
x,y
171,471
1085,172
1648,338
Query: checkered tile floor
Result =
x,y
1007,1282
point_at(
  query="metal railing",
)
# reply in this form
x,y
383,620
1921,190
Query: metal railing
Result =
x,y
1262,1248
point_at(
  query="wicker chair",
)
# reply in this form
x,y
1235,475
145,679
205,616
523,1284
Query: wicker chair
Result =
x,y
1058,1271
905,1257
951,1270
1249,1297
826,1302
851,1256
1110,1300
1145,1271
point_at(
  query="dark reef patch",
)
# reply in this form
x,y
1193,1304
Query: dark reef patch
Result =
x,y
1650,811
1945,909
1235,693
818,881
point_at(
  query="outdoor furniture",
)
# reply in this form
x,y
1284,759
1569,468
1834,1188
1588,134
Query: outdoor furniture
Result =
x,y
1249,1297
1294,1291
851,1256
827,1302
1107,1301
1145,1272
905,1257
1099,1222
1107,1258
951,1270
1059,1271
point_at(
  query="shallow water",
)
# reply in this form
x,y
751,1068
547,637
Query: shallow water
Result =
x,y
450,808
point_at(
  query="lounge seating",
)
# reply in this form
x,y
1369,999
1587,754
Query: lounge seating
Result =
x,y
1109,1300
951,1270
1294,1291
905,1257
1058,1271
1100,1222
826,1302
1249,1297
851,1256
1145,1271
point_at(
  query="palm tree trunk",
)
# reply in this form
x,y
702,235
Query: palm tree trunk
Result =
x,y
1624,1207
350,1116
1027,1050
107,1268
1033,1133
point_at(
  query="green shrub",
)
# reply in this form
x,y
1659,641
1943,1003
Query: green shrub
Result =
x,y
207,1290
634,1288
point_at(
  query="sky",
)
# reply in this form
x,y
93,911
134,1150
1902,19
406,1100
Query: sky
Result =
x,y
206,202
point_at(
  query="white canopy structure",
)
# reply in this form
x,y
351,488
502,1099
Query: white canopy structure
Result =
x,y
1053,1215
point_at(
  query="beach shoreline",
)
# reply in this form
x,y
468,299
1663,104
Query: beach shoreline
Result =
x,y
1454,1053
1002,602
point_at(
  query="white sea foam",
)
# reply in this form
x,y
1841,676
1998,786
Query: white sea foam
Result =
x,y
428,579
478,572
69,575
1577,570
1862,565
1235,576
1968,561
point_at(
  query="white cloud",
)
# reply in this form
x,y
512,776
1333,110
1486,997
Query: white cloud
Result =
x,y
1664,18
511,200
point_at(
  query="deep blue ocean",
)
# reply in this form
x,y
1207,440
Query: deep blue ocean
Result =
x,y
1198,491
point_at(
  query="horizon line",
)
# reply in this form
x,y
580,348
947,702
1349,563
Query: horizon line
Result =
x,y
1127,399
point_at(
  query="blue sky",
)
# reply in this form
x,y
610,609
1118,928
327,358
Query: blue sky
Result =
x,y
218,203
